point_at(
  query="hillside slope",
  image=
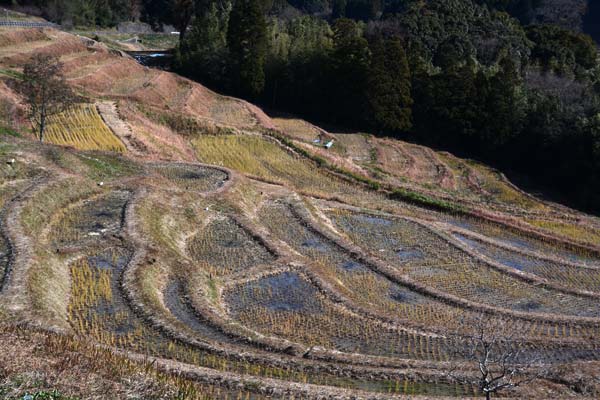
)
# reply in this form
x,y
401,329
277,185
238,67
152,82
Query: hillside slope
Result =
x,y
228,254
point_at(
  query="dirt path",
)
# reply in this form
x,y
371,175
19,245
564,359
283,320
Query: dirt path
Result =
x,y
110,115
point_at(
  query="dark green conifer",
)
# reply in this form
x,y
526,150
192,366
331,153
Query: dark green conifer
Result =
x,y
247,43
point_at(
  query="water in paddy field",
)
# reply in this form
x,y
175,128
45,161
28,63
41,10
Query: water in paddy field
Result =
x,y
155,59
591,22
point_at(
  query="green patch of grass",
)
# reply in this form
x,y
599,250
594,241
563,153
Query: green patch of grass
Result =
x,y
95,165
159,41
17,16
11,74
38,211
5,148
571,231
106,166
212,287
424,201
6,131
147,41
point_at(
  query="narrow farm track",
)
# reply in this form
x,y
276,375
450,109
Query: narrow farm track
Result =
x,y
11,234
109,113
20,245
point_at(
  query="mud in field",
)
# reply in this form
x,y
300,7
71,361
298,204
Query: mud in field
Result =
x,y
288,306
226,248
4,259
191,177
286,291
174,298
523,241
93,220
432,261
569,276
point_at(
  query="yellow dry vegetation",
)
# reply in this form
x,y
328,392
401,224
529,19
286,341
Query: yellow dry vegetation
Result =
x,y
297,128
572,231
502,191
259,157
82,127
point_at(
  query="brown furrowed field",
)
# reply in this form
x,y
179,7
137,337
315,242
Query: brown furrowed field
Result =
x,y
169,242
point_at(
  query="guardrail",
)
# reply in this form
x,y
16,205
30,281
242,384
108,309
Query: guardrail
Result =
x,y
27,24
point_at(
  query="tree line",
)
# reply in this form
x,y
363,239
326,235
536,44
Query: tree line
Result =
x,y
469,76
457,75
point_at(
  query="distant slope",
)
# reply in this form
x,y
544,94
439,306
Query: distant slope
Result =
x,y
162,116
96,71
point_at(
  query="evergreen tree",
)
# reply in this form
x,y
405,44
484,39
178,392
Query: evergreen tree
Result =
x,y
350,61
389,87
504,107
203,53
247,43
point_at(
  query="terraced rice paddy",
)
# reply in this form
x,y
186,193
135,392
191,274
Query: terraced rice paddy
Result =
x,y
175,300
94,218
262,274
569,276
223,247
82,127
358,282
97,310
575,231
297,128
191,177
288,306
264,159
432,261
525,242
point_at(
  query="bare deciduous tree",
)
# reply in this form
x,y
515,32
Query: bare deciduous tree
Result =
x,y
500,360
45,89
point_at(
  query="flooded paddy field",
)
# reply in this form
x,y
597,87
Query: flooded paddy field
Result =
x,y
429,259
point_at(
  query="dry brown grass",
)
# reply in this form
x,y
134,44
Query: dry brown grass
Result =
x,y
11,37
573,231
32,361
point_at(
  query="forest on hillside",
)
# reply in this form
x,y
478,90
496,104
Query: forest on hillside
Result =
x,y
512,82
